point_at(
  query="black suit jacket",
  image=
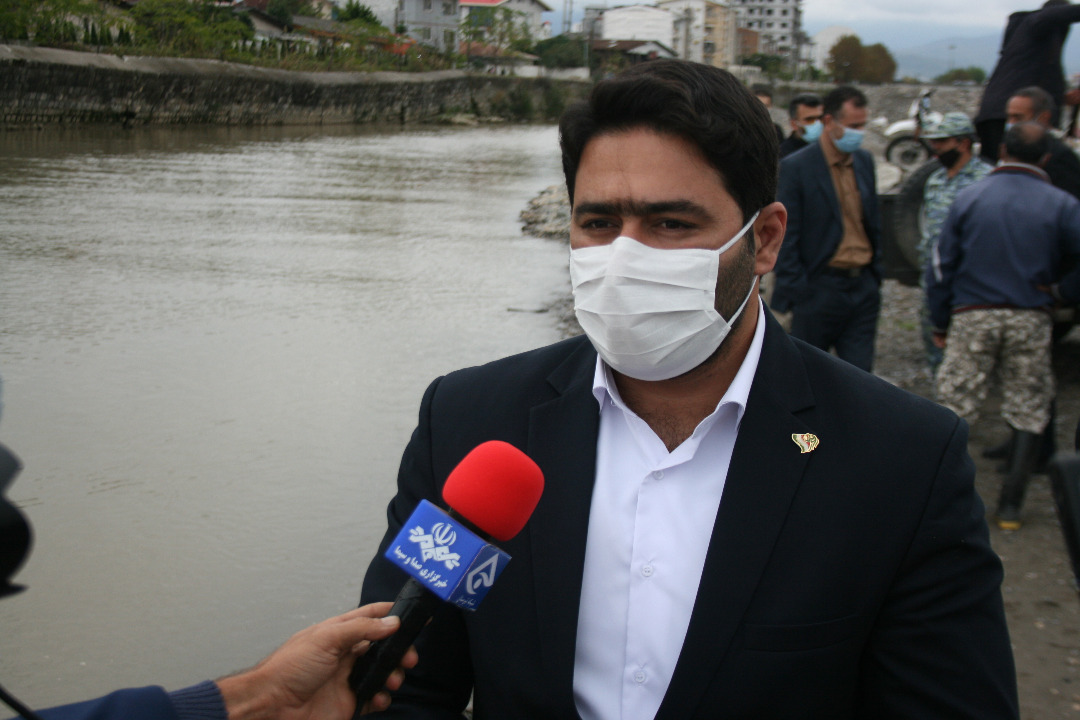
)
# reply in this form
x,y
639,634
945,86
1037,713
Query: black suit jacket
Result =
x,y
815,224
854,581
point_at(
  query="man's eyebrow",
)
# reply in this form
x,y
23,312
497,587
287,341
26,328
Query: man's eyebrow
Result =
x,y
637,208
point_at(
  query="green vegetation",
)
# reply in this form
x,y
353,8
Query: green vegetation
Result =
x,y
561,51
496,33
851,61
974,75
187,28
771,65
203,29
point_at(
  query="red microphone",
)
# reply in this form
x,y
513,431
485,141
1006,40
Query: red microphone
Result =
x,y
494,490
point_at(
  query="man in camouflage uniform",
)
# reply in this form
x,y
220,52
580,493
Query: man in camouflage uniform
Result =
x,y
993,277
952,141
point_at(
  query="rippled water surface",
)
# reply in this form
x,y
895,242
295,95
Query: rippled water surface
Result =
x,y
213,344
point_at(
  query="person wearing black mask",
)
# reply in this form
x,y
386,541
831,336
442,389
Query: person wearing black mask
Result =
x,y
952,141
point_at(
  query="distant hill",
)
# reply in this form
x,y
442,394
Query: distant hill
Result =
x,y
935,58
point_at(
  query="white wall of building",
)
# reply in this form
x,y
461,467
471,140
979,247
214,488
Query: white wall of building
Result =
x,y
638,22
688,20
824,41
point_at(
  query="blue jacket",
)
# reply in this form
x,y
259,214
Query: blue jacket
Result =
x,y
815,225
199,702
1004,236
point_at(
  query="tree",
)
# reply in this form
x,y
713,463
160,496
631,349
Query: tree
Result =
x,y
500,28
844,58
877,65
771,65
353,10
188,27
971,74
561,51
283,10
849,61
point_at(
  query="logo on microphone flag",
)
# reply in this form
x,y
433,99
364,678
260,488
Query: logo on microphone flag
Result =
x,y
446,557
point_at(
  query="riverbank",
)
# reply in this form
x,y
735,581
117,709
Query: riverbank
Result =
x,y
47,86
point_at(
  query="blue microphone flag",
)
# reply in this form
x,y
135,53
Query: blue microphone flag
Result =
x,y
446,557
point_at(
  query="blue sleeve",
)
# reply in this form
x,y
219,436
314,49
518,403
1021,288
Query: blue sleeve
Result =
x,y
1069,285
198,702
148,703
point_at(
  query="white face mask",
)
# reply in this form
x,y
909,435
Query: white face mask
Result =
x,y
651,313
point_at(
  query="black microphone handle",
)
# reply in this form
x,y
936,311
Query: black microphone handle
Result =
x,y
415,605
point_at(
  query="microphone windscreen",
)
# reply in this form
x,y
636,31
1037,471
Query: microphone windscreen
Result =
x,y
496,488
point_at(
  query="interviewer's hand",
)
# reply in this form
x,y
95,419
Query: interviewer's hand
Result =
x,y
307,677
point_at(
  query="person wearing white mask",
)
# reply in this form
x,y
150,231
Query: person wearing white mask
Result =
x,y
734,524
828,273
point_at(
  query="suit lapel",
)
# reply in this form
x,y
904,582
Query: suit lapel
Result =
x,y
825,183
562,440
765,471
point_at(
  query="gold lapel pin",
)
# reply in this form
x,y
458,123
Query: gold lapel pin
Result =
x,y
807,442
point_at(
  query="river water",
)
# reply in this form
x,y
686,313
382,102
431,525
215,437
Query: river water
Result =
x,y
213,344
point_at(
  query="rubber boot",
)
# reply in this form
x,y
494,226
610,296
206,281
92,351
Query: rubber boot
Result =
x,y
1025,455
1049,441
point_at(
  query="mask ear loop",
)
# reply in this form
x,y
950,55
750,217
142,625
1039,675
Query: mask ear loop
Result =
x,y
723,249
738,236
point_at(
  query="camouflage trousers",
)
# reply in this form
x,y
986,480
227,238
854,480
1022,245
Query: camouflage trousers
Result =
x,y
1014,343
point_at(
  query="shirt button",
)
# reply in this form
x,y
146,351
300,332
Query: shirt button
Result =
x,y
647,570
659,474
639,677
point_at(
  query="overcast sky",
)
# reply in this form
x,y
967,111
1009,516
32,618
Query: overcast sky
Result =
x,y
906,23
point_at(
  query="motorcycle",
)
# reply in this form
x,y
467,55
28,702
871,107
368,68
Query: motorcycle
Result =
x,y
904,147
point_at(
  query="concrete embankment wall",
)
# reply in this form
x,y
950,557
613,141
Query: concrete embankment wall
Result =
x,y
44,86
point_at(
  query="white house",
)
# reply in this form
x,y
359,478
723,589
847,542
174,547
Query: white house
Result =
x,y
637,22
529,11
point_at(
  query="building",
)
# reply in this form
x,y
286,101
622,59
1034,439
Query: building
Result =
x,y
779,22
721,35
700,30
635,22
528,13
704,31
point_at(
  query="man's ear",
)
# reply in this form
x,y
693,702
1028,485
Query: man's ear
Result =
x,y
769,235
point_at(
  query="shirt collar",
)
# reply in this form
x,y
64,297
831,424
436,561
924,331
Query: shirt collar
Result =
x,y
737,392
1018,167
832,155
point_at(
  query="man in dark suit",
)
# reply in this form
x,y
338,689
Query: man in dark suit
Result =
x,y
828,271
734,524
1030,55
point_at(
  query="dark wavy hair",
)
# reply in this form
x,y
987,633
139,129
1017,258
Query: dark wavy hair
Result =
x,y
704,105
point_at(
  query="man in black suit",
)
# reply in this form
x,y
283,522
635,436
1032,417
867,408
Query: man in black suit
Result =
x,y
734,524
1030,55
828,271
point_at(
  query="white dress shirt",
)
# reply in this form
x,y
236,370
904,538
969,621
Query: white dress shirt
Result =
x,y
650,525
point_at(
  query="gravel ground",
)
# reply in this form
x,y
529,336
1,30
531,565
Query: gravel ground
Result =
x,y
1040,593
